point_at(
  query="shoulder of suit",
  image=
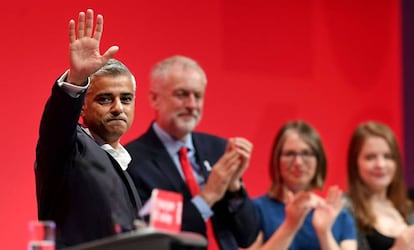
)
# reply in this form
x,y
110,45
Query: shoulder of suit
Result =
x,y
206,136
137,144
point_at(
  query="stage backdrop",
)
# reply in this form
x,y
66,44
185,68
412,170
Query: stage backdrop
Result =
x,y
331,63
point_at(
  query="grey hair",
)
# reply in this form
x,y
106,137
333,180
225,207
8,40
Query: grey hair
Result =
x,y
160,71
113,68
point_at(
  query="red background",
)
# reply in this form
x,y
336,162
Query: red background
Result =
x,y
332,63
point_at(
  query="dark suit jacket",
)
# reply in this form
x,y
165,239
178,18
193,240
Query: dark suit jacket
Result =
x,y
152,167
78,185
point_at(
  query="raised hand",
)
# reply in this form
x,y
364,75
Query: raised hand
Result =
x,y
84,55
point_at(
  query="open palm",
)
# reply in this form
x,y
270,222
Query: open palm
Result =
x,y
85,58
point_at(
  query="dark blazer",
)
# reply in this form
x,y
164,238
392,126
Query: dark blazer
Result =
x,y
152,167
78,185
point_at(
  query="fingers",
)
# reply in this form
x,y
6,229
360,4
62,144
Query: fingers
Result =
x,y
334,191
230,145
303,200
243,147
81,24
241,144
98,28
84,55
110,52
334,197
226,172
85,26
289,197
220,176
228,163
72,36
89,22
332,194
297,207
226,166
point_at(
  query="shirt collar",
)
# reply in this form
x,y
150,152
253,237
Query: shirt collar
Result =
x,y
172,145
120,154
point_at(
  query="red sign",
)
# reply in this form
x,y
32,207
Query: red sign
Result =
x,y
166,210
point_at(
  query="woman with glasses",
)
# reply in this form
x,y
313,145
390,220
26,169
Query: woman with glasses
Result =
x,y
377,192
292,216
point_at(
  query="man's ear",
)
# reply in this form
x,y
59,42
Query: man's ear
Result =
x,y
82,110
153,98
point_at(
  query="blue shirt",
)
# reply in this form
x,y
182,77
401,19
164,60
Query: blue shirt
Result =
x,y
272,214
173,146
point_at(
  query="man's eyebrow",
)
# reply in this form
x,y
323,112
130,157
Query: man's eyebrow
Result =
x,y
104,94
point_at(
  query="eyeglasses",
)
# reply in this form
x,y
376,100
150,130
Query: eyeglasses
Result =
x,y
290,155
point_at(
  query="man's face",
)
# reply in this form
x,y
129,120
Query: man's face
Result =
x,y
179,101
108,110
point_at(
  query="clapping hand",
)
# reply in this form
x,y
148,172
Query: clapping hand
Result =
x,y
405,240
220,177
297,207
244,148
327,210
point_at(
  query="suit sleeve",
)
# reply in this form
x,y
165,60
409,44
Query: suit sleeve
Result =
x,y
243,221
57,133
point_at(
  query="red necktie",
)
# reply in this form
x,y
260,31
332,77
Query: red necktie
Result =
x,y
195,189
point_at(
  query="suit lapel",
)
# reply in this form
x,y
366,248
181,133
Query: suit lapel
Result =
x,y
132,191
201,156
168,168
162,160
